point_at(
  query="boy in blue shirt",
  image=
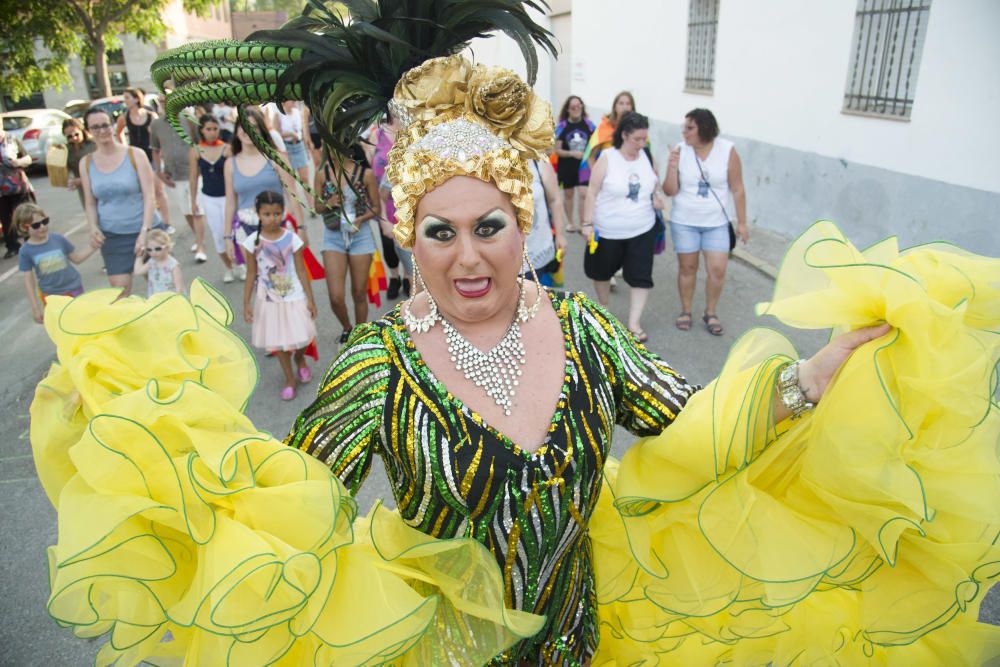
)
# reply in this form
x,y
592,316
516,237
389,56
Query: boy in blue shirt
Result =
x,y
45,259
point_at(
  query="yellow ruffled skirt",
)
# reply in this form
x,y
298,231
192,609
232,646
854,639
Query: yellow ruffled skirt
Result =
x,y
194,539
864,533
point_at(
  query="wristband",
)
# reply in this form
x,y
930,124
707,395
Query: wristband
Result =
x,y
791,392
228,237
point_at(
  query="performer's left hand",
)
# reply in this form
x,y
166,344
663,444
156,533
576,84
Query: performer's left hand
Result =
x,y
816,372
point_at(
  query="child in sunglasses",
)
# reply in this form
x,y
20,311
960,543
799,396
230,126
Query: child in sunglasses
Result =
x,y
46,259
162,271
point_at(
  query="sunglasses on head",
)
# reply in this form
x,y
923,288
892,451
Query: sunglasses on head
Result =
x,y
156,248
44,222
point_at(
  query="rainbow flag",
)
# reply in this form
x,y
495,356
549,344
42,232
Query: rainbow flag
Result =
x,y
600,139
376,280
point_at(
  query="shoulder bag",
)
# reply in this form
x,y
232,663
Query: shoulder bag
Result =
x,y
725,214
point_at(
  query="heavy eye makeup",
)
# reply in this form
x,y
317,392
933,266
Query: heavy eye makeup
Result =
x,y
486,226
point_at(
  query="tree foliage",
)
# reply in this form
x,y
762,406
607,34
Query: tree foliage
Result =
x,y
47,24
69,27
102,21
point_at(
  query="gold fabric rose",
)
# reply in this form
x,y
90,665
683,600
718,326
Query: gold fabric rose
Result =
x,y
498,96
534,137
434,88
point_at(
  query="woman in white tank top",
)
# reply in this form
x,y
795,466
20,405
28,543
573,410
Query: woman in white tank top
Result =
x,y
705,178
619,213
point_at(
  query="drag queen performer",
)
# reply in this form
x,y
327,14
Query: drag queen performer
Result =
x,y
841,509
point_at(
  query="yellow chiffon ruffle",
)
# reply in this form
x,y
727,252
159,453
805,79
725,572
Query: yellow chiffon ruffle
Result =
x,y
192,538
863,533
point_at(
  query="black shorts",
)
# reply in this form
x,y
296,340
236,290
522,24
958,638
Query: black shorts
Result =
x,y
633,256
568,171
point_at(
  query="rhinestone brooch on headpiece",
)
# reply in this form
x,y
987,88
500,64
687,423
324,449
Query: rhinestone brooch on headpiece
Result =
x,y
400,113
459,140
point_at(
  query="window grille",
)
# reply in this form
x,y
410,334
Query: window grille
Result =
x,y
885,56
703,19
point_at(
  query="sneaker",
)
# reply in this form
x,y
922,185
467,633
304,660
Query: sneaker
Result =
x,y
228,276
200,257
392,291
305,375
194,248
241,271
344,335
10,253
406,287
288,393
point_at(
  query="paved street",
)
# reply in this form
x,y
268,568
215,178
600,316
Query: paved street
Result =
x,y
29,637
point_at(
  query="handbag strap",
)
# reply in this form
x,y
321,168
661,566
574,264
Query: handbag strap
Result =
x,y
546,194
725,213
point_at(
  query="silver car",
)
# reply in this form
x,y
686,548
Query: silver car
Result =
x,y
36,128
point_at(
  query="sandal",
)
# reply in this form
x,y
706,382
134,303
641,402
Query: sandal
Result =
x,y
683,322
640,335
712,323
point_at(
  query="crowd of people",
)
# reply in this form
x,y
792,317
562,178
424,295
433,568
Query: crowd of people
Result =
x,y
602,180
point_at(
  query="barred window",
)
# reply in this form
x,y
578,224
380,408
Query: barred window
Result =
x,y
885,57
703,19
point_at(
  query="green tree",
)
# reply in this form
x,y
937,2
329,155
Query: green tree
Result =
x,y
101,22
47,25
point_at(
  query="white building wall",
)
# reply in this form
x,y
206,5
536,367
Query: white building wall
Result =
x,y
780,72
781,68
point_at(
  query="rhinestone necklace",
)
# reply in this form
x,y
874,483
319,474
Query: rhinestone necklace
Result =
x,y
497,372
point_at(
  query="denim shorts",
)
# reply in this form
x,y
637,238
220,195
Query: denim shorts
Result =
x,y
346,242
688,239
297,154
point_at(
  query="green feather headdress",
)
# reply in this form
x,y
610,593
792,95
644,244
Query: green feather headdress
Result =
x,y
344,67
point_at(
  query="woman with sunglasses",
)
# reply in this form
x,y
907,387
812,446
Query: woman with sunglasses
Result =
x,y
78,143
118,190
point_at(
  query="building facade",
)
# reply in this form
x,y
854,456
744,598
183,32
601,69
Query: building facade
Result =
x,y
878,114
130,65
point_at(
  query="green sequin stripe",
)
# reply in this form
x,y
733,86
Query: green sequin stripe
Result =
x,y
341,426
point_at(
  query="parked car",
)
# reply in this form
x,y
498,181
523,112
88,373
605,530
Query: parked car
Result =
x,y
36,128
114,105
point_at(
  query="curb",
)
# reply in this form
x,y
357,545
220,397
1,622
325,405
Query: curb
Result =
x,y
754,262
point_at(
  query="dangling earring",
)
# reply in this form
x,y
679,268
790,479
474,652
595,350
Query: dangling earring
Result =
x,y
523,311
421,324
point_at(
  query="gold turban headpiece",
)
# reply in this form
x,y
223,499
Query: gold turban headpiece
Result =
x,y
460,119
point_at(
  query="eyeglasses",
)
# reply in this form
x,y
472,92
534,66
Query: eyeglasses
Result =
x,y
154,249
44,222
100,127
73,135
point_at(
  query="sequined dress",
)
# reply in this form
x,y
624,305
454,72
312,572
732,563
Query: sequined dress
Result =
x,y
454,475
